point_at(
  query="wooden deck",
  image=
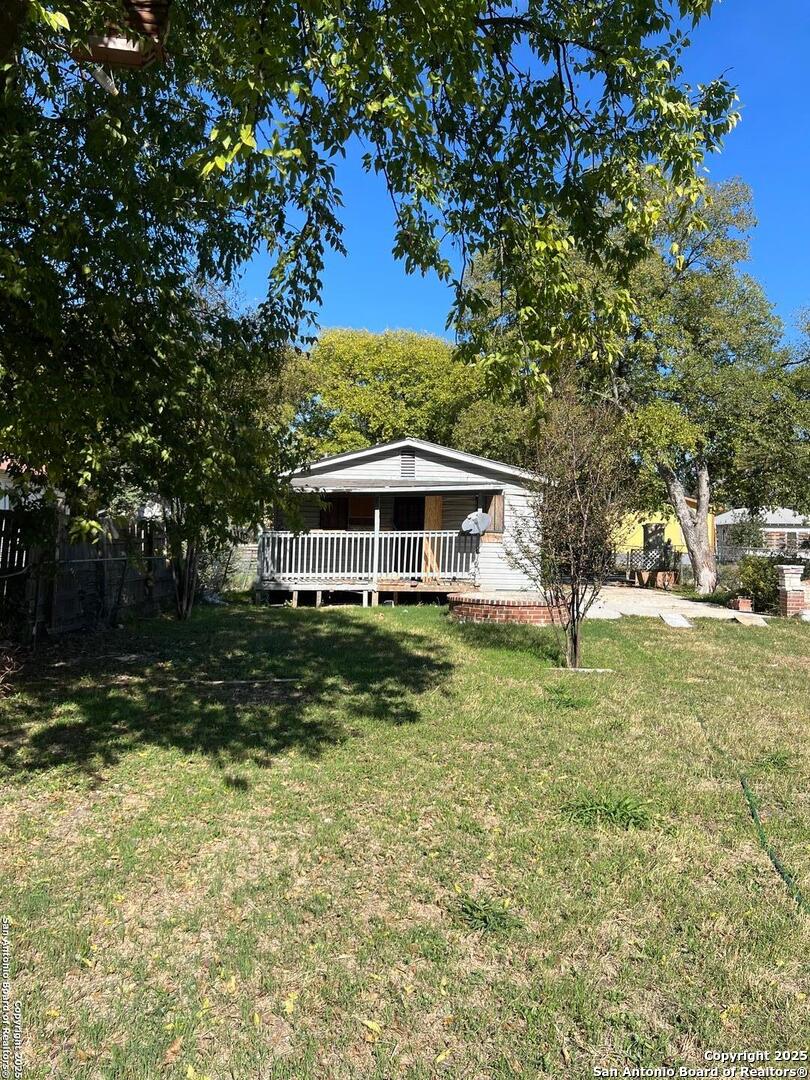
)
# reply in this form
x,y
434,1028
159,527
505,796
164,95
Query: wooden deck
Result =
x,y
366,586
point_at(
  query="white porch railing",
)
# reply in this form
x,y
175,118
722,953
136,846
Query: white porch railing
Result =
x,y
367,557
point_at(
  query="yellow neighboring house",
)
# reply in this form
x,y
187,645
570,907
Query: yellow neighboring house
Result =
x,y
648,532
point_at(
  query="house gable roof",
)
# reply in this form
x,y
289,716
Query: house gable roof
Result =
x,y
459,457
780,515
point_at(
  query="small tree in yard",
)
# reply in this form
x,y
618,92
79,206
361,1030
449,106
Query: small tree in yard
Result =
x,y
582,494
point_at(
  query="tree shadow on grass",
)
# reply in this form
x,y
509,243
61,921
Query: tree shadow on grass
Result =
x,y
236,684
540,643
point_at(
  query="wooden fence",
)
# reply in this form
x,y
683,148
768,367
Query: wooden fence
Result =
x,y
60,587
13,558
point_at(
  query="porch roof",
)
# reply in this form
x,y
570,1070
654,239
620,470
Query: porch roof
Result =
x,y
395,487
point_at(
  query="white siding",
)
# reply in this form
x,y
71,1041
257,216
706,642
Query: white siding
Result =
x,y
435,469
429,468
456,507
495,572
381,467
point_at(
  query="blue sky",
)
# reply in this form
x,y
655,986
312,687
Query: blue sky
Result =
x,y
762,47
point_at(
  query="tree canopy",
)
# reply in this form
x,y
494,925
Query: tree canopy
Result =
x,y
715,398
357,388
498,427
703,370
705,366
488,125
481,118
212,446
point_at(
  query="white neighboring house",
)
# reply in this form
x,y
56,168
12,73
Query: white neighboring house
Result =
x,y
782,529
387,519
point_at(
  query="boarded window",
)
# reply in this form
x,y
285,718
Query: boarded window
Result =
x,y
335,515
434,514
493,505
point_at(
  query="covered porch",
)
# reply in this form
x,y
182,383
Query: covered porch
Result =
x,y
377,539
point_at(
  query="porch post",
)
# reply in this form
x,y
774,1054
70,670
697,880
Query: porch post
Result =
x,y
375,568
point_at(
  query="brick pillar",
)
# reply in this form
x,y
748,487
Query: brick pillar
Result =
x,y
791,590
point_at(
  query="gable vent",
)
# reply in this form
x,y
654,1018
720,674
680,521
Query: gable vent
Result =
x,y
407,464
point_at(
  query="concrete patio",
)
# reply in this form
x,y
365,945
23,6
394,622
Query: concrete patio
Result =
x,y
617,600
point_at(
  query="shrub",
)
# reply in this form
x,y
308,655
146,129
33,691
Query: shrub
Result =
x,y
216,568
728,577
746,534
759,579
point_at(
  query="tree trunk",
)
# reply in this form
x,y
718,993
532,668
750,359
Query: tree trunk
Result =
x,y
572,641
13,14
695,526
184,571
704,567
572,647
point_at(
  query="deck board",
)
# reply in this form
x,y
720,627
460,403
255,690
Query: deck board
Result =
x,y
382,586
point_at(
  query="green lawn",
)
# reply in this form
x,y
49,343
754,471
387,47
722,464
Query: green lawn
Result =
x,y
427,854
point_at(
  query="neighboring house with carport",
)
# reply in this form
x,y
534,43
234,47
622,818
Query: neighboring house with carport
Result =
x,y
783,529
391,518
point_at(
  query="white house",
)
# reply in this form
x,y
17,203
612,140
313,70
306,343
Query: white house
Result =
x,y
782,529
388,519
